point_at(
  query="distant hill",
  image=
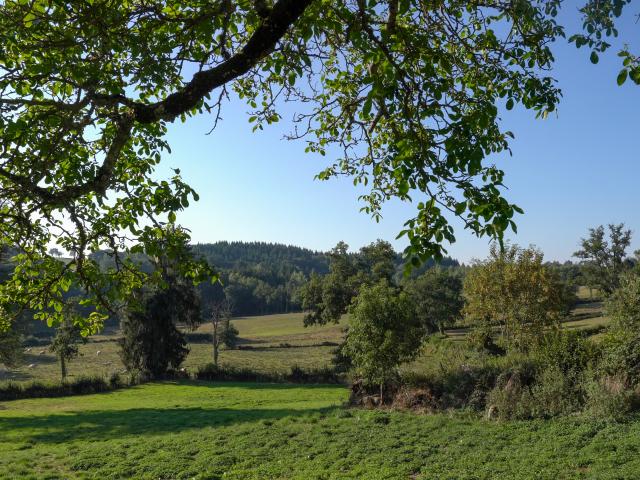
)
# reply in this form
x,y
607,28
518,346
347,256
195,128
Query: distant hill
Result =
x,y
242,256
261,278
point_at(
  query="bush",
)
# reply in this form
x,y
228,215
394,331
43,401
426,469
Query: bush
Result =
x,y
610,397
555,393
570,352
226,373
480,339
79,386
511,397
621,357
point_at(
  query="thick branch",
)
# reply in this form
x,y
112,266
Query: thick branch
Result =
x,y
283,14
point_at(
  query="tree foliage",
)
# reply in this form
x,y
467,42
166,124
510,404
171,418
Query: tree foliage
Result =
x,y
67,338
515,291
604,261
383,333
326,298
437,299
599,23
403,94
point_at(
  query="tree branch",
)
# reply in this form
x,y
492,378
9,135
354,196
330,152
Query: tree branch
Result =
x,y
283,14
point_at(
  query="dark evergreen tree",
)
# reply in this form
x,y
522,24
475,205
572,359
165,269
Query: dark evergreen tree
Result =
x,y
151,342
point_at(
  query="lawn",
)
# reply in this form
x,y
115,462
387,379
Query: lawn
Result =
x,y
193,430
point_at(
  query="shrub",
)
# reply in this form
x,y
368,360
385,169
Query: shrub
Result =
x,y
480,339
567,351
610,397
79,386
212,372
511,397
621,357
556,392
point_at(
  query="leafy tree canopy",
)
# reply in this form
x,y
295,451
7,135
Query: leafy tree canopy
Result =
x,y
383,333
515,291
437,298
406,90
603,261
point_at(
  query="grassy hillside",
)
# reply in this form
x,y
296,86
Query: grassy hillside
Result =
x,y
195,430
269,343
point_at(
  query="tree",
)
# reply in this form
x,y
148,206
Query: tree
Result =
x,y
515,291
604,261
10,347
383,333
623,305
326,298
437,299
68,337
151,341
407,92
222,332
599,20
377,261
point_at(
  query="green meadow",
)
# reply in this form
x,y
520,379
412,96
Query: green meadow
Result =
x,y
197,430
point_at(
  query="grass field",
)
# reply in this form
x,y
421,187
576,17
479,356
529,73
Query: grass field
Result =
x,y
193,430
272,343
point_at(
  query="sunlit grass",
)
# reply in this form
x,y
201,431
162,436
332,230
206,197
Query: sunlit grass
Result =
x,y
197,430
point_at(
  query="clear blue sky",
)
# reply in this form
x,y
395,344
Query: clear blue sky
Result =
x,y
570,172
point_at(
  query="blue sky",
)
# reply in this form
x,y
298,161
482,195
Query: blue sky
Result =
x,y
572,171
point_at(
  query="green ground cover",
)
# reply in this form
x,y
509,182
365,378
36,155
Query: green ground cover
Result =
x,y
196,430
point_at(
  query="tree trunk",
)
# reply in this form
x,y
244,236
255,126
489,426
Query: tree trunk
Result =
x,y
215,342
63,367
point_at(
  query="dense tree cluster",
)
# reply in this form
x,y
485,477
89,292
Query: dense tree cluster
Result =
x,y
260,278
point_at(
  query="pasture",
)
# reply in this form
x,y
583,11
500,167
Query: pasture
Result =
x,y
268,343
198,430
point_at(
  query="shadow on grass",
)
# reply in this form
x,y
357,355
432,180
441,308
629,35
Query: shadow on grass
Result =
x,y
102,425
14,375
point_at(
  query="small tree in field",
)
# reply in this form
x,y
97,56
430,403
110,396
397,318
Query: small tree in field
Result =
x,y
514,291
383,333
68,337
222,331
603,261
437,299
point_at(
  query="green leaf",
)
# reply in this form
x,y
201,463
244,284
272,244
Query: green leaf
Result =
x,y
622,76
172,217
594,58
